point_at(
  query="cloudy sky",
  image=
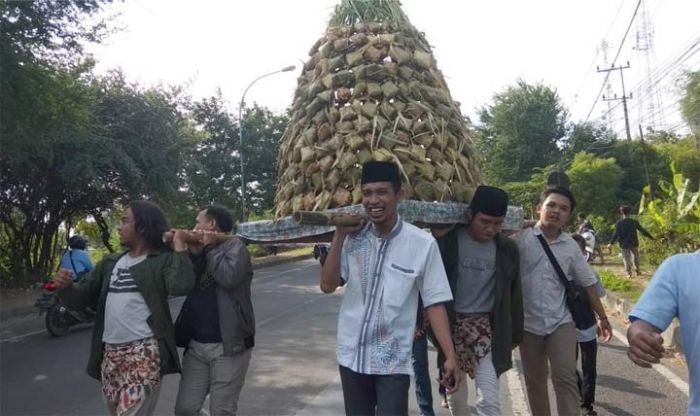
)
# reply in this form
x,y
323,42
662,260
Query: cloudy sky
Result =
x,y
481,47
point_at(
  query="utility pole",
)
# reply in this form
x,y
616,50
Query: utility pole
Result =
x,y
624,97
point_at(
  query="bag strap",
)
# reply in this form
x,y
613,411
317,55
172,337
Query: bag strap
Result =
x,y
70,256
555,263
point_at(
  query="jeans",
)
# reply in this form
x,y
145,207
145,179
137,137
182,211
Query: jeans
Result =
x,y
586,384
488,401
370,394
424,393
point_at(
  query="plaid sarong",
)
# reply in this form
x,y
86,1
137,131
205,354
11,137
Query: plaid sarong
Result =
x,y
130,372
472,338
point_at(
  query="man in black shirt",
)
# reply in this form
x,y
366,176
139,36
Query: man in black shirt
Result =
x,y
216,323
626,234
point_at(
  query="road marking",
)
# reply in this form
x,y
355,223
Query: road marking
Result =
x,y
517,395
18,337
678,382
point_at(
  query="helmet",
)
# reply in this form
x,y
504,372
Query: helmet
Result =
x,y
77,242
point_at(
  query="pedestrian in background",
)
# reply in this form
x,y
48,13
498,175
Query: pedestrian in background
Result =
x,y
626,233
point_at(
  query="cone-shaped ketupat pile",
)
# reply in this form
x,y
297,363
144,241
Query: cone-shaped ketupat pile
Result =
x,y
372,91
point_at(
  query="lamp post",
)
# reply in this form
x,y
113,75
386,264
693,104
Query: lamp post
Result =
x,y
244,210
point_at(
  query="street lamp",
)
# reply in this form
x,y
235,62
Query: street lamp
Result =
x,y
244,211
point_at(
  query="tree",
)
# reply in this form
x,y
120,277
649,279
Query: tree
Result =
x,y
641,165
520,131
685,156
213,169
588,137
690,104
595,182
78,145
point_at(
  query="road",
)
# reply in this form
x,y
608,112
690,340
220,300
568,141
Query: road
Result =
x,y
293,371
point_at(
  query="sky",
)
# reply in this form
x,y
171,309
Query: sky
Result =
x,y
482,47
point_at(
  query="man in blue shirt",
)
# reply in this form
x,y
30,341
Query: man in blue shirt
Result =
x,y
76,259
672,292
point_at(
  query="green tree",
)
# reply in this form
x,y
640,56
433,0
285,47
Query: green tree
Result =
x,y
213,169
595,182
520,131
672,216
642,165
690,104
588,137
685,156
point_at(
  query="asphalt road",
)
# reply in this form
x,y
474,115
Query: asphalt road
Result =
x,y
293,370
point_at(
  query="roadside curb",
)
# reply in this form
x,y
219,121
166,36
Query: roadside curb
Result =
x,y
29,309
672,335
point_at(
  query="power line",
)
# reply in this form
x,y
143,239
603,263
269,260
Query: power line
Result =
x,y
617,55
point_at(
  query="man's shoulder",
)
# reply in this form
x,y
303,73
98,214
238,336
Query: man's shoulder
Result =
x,y
411,232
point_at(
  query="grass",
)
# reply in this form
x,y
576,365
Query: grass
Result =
x,y
627,288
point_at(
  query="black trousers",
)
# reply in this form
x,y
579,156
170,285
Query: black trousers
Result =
x,y
586,382
370,394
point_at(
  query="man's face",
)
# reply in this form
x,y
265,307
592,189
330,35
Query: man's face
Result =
x,y
204,223
380,201
128,235
484,227
554,211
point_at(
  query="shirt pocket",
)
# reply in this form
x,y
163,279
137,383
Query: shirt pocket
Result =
x,y
399,282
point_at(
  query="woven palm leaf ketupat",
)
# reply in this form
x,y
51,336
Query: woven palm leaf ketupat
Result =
x,y
371,90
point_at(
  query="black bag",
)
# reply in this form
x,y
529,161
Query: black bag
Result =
x,y
576,297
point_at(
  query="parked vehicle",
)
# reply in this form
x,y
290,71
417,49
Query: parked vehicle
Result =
x,y
321,252
59,319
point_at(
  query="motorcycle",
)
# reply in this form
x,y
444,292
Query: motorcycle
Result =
x,y
591,248
59,318
321,252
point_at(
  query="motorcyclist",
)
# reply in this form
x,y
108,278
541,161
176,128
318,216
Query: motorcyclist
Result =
x,y
76,259
586,230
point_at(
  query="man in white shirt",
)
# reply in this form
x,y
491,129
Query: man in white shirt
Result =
x,y
550,335
386,263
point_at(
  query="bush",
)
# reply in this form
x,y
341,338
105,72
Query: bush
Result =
x,y
257,250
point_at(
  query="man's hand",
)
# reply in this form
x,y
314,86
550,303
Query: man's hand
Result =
x,y
646,344
179,238
451,375
604,329
63,279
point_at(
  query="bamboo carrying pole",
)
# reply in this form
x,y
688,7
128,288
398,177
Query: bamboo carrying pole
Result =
x,y
195,236
326,218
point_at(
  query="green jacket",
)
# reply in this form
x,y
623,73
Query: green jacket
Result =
x,y
163,273
507,314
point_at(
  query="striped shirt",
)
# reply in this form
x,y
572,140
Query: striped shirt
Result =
x,y
125,310
384,277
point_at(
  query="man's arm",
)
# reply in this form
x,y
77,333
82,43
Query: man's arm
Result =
x,y
645,343
437,315
228,263
178,272
516,301
643,231
616,234
604,328
330,272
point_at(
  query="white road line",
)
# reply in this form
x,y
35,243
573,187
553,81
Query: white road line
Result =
x,y
18,337
678,382
517,395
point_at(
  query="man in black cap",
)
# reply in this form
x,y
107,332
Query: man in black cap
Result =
x,y
486,316
385,263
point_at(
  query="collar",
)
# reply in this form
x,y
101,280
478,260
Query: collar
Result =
x,y
394,231
537,230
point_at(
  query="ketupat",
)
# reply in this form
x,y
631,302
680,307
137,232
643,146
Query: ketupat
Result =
x,y
371,90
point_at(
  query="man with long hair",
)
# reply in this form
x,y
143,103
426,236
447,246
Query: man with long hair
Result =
x,y
133,341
